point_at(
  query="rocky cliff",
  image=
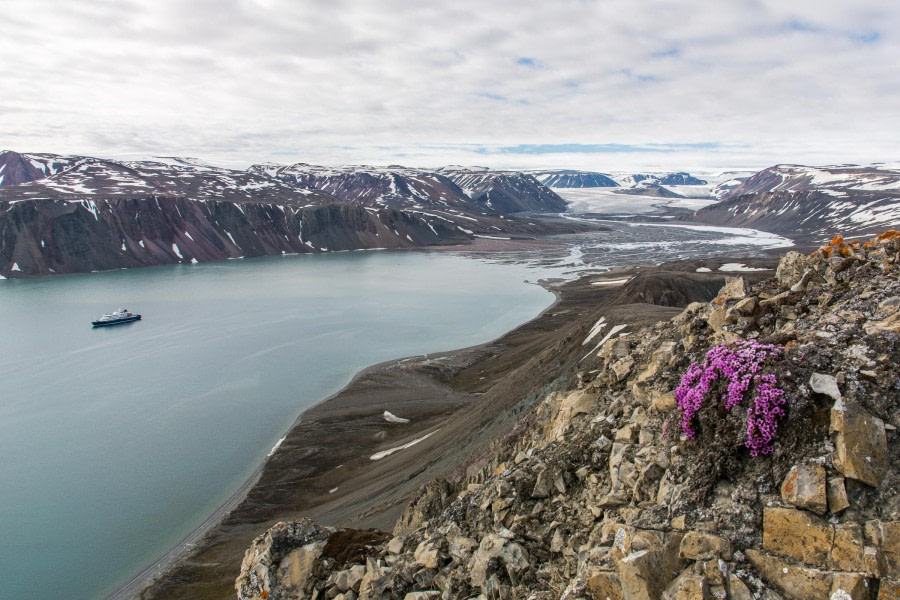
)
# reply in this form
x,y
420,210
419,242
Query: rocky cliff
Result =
x,y
745,449
45,237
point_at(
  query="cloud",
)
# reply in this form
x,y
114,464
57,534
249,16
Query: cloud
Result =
x,y
338,81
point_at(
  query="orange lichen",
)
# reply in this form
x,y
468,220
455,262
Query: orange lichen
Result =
x,y
890,234
264,595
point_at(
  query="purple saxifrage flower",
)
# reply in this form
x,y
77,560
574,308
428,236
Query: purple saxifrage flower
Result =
x,y
740,365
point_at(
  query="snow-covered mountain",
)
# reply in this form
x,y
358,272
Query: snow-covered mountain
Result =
x,y
636,179
57,177
586,179
838,181
812,203
449,188
574,179
69,214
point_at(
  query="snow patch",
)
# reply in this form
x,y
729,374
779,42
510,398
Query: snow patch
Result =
x,y
731,267
392,418
388,452
597,328
704,270
176,250
275,447
612,281
15,267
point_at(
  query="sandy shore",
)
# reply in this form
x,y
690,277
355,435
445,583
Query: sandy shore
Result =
x,y
465,398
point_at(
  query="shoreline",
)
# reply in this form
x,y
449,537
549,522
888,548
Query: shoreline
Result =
x,y
313,461
184,546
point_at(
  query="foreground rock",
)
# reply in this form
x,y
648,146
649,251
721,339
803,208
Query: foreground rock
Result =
x,y
597,493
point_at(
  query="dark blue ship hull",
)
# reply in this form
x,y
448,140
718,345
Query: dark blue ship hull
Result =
x,y
116,322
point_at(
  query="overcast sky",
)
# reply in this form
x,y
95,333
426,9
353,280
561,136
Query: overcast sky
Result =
x,y
515,83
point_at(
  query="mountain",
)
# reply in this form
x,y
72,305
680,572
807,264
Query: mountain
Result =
x,y
574,179
746,448
450,188
505,191
18,168
648,188
679,178
811,203
70,214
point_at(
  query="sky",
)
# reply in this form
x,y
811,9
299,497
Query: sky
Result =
x,y
600,85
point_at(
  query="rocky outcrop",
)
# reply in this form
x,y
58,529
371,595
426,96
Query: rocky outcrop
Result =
x,y
631,486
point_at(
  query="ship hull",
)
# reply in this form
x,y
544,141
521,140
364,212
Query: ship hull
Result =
x,y
116,322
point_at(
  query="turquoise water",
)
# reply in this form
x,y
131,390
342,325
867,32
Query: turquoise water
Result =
x,y
116,442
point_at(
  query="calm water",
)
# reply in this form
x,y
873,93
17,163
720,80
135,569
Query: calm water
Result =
x,y
116,442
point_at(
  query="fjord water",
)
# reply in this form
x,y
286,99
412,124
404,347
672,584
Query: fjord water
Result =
x,y
117,441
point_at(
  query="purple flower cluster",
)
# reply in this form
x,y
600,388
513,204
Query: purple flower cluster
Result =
x,y
740,366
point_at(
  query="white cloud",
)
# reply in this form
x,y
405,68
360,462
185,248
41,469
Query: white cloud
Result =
x,y
430,83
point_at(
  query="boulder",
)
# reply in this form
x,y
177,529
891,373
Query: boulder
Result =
x,y
849,586
847,553
645,574
790,269
837,495
805,487
821,383
494,547
603,585
796,534
688,586
704,546
860,447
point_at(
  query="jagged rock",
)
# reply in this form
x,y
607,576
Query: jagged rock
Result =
x,y
795,582
430,501
860,448
621,368
460,547
704,546
428,555
375,582
280,561
688,586
805,487
717,319
735,288
542,484
492,546
564,409
738,589
849,586
429,595
790,269
395,546
348,579
837,495
825,384
604,585
795,534
742,308
645,574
